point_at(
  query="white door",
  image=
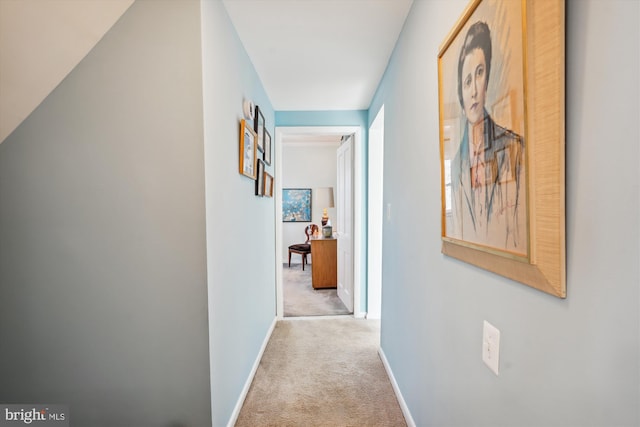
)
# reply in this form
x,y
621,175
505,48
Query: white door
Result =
x,y
344,227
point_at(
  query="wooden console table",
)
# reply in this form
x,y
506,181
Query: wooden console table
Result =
x,y
324,260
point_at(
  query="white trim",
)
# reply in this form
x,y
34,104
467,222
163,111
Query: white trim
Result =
x,y
396,389
280,134
358,168
320,318
278,219
375,216
247,384
311,144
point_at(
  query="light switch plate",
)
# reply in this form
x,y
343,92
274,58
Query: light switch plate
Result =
x,y
491,346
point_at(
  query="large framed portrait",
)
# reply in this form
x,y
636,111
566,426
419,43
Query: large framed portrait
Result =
x,y
501,102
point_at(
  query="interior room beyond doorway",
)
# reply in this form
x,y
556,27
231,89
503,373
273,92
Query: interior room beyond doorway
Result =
x,y
305,159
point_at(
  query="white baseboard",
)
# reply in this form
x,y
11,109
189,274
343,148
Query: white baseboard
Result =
x,y
254,369
403,405
319,318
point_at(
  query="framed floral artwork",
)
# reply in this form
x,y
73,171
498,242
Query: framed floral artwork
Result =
x,y
296,205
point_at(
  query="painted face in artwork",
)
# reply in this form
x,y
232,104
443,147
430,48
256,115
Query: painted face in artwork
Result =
x,y
474,85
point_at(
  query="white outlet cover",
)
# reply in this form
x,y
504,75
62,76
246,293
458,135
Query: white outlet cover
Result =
x,y
491,347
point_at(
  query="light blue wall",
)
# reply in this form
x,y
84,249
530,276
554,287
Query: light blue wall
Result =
x,y
103,296
571,362
322,118
240,226
339,118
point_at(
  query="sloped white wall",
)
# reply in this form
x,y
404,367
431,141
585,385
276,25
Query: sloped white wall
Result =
x,y
103,296
40,43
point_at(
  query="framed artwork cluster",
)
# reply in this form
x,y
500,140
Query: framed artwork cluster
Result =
x,y
501,103
256,153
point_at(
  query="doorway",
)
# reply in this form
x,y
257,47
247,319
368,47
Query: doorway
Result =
x,y
281,135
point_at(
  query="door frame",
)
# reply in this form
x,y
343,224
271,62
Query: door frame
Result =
x,y
375,199
358,191
345,196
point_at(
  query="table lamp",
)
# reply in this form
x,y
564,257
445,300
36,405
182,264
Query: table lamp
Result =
x,y
324,199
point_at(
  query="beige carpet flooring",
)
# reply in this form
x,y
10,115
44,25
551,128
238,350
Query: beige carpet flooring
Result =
x,y
322,372
300,299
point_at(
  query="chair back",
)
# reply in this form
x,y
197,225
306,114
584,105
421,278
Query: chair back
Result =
x,y
310,230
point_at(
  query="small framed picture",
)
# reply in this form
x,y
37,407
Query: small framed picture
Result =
x,y
248,153
258,127
260,178
268,185
267,147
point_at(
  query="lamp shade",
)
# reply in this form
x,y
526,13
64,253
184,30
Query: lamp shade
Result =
x,y
324,197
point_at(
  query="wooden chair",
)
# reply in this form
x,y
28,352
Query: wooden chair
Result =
x,y
303,249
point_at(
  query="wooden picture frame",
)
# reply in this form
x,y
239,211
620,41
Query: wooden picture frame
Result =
x,y
268,185
296,205
260,178
258,127
248,152
502,152
267,147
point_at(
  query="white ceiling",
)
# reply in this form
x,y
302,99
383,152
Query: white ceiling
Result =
x,y
319,54
41,41
309,54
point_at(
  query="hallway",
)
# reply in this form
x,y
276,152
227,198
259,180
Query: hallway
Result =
x,y
322,372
